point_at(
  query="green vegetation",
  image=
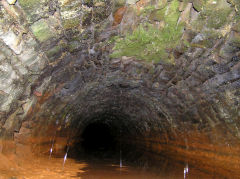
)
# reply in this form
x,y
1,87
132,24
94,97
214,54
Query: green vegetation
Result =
x,y
213,16
217,18
28,3
41,30
199,4
150,43
147,10
53,51
236,3
71,23
236,27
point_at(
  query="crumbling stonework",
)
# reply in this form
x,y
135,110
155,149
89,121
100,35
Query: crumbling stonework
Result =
x,y
58,70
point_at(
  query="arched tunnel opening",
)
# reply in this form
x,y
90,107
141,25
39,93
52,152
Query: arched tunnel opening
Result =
x,y
119,89
118,126
104,136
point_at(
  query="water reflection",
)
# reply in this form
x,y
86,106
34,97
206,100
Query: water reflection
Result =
x,y
145,166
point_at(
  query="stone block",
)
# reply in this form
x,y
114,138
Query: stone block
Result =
x,y
33,9
42,31
12,41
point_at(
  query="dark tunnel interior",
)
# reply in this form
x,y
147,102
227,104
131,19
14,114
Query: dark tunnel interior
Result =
x,y
98,137
136,85
102,137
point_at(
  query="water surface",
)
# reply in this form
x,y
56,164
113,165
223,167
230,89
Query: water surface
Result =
x,y
143,167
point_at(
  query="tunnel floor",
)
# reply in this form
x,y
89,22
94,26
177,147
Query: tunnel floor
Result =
x,y
100,152
102,149
88,167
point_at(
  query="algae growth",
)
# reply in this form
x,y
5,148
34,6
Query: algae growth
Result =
x,y
149,43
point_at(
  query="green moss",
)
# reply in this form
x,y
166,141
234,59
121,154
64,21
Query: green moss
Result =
x,y
28,3
210,37
236,40
218,18
53,51
41,30
172,13
33,9
149,43
161,4
74,45
236,4
200,22
236,26
147,10
71,23
213,16
156,15
118,4
199,4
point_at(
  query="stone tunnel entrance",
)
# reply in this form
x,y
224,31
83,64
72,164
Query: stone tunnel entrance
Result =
x,y
119,89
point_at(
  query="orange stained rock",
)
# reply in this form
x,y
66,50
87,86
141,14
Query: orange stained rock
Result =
x,y
37,93
45,97
41,98
8,8
140,4
119,15
30,110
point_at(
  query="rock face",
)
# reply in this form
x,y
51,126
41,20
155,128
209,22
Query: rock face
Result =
x,y
167,72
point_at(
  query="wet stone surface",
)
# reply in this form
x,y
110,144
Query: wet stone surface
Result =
x,y
164,73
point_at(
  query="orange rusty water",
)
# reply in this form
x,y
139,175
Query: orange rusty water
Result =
x,y
51,168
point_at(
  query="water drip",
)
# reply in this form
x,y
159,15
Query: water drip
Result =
x,y
185,171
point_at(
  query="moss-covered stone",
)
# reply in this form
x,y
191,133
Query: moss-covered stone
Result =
x,y
148,42
74,45
236,39
71,23
236,4
156,15
53,51
199,4
218,18
41,30
213,15
208,40
28,3
161,4
169,13
172,13
236,26
33,9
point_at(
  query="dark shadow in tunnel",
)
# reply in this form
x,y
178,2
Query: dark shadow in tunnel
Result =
x,y
105,136
98,137
98,140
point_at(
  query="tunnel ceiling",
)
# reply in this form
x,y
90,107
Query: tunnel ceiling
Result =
x,y
156,68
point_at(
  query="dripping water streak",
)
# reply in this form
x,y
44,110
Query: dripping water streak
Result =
x,y
120,164
185,171
51,149
65,157
53,140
